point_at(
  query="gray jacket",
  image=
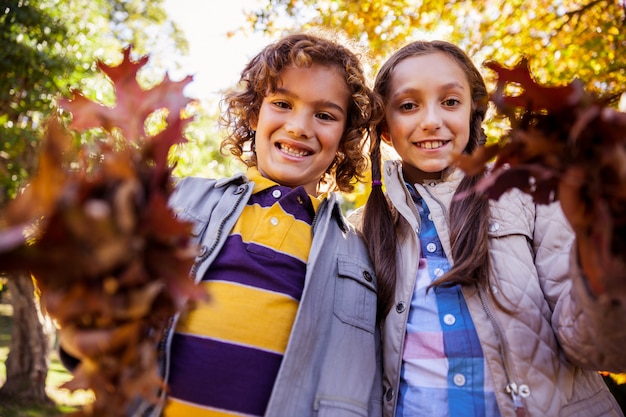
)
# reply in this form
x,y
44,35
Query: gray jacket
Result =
x,y
332,365
544,355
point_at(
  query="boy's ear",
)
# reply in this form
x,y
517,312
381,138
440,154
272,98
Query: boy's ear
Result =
x,y
254,121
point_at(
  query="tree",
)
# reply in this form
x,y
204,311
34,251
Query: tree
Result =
x,y
48,48
563,40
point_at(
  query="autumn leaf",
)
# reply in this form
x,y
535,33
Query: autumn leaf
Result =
x,y
133,103
110,257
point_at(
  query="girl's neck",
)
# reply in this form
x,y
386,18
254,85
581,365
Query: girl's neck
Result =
x,y
414,175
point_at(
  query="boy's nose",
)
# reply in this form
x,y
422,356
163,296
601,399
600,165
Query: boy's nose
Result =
x,y
298,125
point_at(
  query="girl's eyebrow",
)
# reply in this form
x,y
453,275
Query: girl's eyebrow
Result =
x,y
454,84
412,90
317,103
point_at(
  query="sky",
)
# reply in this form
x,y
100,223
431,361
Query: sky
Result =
x,y
214,60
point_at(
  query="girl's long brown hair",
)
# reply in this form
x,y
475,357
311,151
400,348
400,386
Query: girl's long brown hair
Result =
x,y
468,217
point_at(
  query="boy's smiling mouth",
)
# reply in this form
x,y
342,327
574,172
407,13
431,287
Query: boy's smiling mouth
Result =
x,y
292,151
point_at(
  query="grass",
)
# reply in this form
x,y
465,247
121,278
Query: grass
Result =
x,y
65,401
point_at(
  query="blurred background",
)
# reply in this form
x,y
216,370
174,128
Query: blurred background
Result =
x,y
49,47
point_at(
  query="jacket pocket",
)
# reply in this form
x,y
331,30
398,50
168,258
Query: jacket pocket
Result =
x,y
198,226
355,294
336,407
601,404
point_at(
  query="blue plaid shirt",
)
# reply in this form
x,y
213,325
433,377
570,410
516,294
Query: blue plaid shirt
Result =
x,y
443,369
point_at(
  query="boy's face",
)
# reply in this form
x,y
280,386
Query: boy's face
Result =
x,y
301,125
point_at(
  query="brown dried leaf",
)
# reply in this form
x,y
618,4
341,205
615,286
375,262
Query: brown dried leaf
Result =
x,y
110,257
563,144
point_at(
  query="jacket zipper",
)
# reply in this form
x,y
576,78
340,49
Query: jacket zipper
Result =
x,y
194,268
162,347
511,387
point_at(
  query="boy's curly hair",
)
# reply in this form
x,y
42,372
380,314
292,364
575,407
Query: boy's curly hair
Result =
x,y
261,77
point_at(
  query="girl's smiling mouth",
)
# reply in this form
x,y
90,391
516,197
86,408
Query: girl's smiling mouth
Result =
x,y
431,144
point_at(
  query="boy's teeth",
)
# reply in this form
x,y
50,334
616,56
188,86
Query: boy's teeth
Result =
x,y
293,152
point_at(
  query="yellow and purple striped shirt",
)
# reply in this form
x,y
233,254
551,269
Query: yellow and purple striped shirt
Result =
x,y
226,353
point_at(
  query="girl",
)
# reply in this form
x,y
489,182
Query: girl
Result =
x,y
483,312
289,329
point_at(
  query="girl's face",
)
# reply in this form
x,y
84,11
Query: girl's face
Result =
x,y
301,125
427,119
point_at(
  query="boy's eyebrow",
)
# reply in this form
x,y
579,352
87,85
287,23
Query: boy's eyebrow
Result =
x,y
320,103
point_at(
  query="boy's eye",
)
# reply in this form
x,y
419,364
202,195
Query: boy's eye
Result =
x,y
325,116
281,104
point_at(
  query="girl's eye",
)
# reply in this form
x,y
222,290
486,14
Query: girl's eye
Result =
x,y
408,106
451,102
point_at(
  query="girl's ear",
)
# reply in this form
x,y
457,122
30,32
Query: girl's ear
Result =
x,y
384,133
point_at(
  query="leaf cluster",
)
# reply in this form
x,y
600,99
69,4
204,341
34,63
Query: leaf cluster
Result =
x,y
108,253
567,144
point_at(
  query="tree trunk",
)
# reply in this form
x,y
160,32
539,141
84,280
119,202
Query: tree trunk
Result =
x,y
27,361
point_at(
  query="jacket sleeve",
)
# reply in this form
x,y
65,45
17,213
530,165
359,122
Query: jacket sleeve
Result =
x,y
590,329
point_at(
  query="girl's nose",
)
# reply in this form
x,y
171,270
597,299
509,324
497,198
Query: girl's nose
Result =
x,y
431,118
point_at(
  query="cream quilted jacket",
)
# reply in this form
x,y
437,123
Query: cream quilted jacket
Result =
x,y
543,357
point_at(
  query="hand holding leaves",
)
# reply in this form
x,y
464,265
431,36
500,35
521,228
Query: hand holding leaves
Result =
x,y
110,257
568,145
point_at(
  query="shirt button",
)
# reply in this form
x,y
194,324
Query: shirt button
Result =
x,y
494,226
400,307
274,221
430,217
367,276
276,193
431,247
459,380
438,272
449,319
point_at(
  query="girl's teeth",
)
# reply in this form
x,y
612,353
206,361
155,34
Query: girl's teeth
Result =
x,y
431,144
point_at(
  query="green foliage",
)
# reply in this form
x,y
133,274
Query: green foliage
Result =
x,y
50,47
31,64
201,156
